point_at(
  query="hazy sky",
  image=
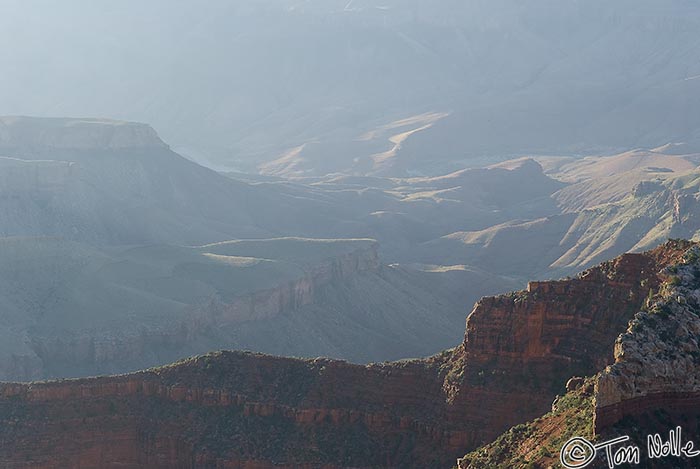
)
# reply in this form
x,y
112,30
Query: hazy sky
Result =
x,y
252,79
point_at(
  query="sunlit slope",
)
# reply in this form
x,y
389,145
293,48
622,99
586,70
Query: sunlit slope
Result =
x,y
663,204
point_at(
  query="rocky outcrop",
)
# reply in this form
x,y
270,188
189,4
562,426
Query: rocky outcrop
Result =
x,y
520,348
248,410
652,387
568,320
657,360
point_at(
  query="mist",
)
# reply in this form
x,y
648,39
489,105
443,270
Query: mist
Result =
x,y
238,85
346,233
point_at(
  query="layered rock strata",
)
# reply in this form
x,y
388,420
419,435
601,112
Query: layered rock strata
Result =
x,y
657,360
92,348
238,410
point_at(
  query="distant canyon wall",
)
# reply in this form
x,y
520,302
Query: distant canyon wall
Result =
x,y
46,134
133,348
271,302
20,176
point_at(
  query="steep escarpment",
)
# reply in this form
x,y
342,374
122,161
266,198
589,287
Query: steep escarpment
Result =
x,y
169,306
657,360
651,388
245,410
45,176
72,310
520,348
232,410
43,135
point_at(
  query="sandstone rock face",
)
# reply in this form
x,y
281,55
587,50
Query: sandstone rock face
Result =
x,y
520,348
656,360
652,386
244,410
232,410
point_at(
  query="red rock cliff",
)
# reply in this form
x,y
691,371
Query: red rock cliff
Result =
x,y
656,359
520,348
239,410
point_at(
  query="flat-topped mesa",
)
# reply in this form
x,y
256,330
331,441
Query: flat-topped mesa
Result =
x,y
19,177
32,134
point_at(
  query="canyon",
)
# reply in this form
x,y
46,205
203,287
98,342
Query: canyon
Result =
x,y
235,409
92,311
328,234
120,254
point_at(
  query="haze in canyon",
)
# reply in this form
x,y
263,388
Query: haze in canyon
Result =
x,y
219,185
